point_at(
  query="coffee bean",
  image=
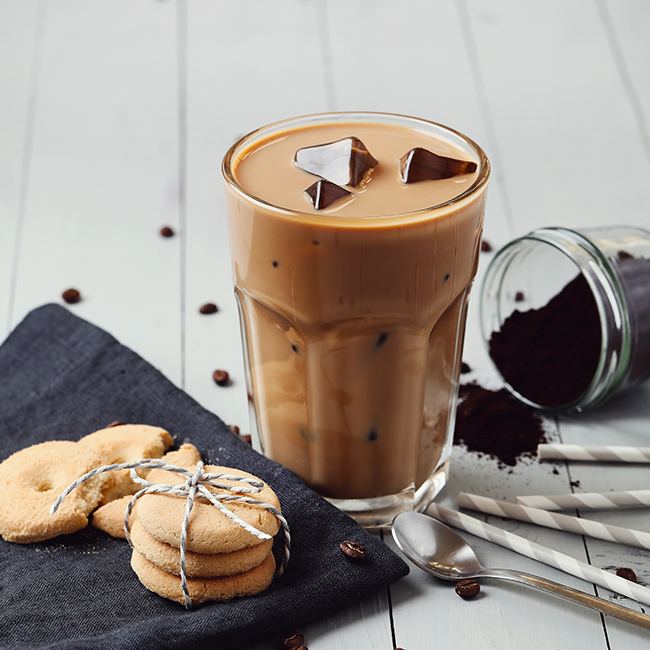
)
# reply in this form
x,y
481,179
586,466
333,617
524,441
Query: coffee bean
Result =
x,y
519,296
221,377
486,247
353,550
626,573
292,641
71,296
234,428
208,308
117,423
464,368
247,438
467,588
166,231
381,339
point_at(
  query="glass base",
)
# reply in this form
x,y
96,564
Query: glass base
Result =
x,y
379,512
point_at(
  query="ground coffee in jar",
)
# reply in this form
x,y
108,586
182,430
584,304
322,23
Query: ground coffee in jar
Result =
x,y
566,315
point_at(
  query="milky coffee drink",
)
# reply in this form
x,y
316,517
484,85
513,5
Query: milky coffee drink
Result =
x,y
355,239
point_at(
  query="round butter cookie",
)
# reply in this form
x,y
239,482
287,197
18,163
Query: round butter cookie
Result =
x,y
210,531
125,444
33,478
109,518
197,565
186,456
201,590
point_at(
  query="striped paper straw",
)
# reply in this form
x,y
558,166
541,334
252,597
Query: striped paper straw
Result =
x,y
554,520
613,453
587,500
541,553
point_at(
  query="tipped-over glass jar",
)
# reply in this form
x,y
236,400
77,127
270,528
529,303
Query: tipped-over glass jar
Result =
x,y
565,315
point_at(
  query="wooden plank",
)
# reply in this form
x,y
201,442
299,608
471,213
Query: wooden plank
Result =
x,y
570,146
624,25
104,175
20,36
272,74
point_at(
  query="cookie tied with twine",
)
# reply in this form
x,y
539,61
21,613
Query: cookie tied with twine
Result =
x,y
221,492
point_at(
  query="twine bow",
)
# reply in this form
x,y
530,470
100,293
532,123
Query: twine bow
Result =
x,y
196,483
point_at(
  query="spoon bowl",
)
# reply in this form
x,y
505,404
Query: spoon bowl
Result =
x,y
437,549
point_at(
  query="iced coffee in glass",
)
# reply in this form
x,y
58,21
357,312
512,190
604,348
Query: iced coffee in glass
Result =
x,y
355,239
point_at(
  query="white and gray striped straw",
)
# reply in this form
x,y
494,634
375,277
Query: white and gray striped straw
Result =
x,y
587,500
548,519
612,453
541,553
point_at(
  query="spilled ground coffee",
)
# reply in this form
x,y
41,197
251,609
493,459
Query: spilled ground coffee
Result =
x,y
495,424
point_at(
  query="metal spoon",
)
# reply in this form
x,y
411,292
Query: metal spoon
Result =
x,y
438,549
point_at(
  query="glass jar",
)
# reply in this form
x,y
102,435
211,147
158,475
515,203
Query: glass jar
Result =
x,y
565,315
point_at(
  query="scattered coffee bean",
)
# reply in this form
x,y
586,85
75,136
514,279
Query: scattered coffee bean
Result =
x,y
208,308
486,247
234,428
71,296
166,231
467,588
117,423
221,377
626,573
353,550
246,437
519,296
292,641
464,368
381,339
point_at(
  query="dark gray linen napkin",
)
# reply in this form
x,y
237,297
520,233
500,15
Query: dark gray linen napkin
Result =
x,y
62,378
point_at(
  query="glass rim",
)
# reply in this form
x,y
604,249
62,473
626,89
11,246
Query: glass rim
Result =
x,y
232,155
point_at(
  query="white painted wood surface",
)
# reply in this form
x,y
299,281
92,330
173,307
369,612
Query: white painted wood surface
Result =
x,y
114,116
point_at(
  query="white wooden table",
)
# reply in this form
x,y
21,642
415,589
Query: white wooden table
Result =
x,y
114,117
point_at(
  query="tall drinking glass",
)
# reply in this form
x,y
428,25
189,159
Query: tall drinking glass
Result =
x,y
353,296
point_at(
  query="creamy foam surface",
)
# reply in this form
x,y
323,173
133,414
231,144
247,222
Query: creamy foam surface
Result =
x,y
267,171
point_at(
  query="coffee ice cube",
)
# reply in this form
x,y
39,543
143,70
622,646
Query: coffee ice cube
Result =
x,y
323,193
343,162
423,165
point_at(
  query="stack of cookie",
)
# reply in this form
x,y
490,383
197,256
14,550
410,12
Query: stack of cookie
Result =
x,y
223,560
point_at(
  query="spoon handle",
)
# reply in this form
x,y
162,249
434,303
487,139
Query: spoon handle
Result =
x,y
604,606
